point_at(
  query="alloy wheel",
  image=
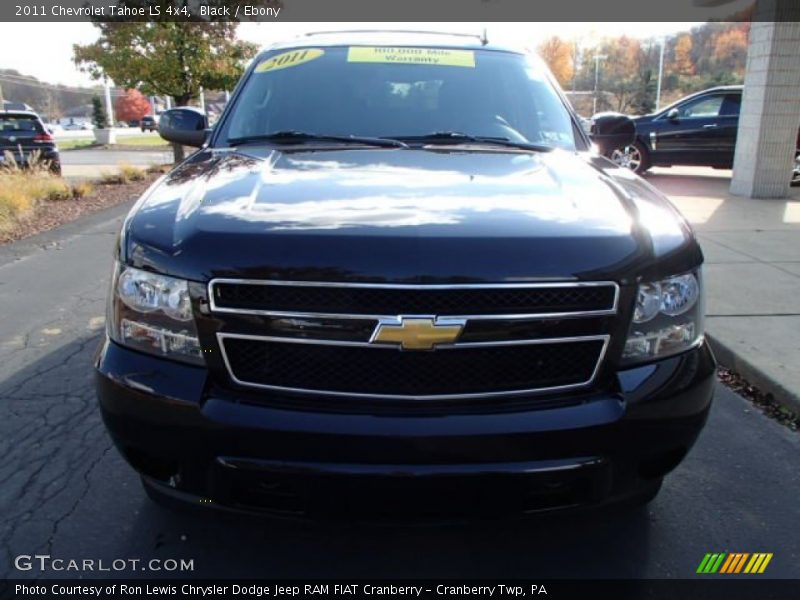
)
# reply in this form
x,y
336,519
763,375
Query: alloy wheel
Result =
x,y
628,157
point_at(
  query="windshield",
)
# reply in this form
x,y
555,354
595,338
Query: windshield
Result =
x,y
400,92
18,126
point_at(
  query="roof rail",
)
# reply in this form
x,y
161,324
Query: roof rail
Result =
x,y
477,36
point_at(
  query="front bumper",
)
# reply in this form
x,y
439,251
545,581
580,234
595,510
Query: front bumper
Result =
x,y
215,446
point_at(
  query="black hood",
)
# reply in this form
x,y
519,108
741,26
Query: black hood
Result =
x,y
404,215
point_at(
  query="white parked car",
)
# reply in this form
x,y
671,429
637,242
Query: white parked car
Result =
x,y
77,126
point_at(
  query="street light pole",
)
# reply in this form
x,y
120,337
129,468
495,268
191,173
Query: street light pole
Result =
x,y
597,59
576,64
660,72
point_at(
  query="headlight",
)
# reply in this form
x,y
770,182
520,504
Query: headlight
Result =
x,y
153,313
668,318
648,302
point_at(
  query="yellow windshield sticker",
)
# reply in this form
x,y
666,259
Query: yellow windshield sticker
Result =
x,y
412,56
289,59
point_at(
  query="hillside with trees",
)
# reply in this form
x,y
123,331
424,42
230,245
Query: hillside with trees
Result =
x,y
708,55
49,100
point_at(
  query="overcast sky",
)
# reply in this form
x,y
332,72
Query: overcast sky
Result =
x,y
50,59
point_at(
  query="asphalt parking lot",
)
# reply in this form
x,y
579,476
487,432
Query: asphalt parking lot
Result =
x,y
64,490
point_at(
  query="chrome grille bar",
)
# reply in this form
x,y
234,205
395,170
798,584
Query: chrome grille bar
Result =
x,y
470,396
222,336
215,308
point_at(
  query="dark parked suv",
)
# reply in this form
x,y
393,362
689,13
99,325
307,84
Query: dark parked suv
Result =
x,y
394,278
148,123
22,136
698,130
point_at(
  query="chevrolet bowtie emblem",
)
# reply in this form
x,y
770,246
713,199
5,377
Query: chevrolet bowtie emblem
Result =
x,y
418,333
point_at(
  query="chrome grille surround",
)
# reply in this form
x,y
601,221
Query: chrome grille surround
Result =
x,y
222,336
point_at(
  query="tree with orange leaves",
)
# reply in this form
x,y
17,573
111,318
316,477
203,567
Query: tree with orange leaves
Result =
x,y
682,63
730,50
558,54
132,106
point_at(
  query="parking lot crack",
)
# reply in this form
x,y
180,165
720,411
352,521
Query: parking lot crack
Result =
x,y
76,503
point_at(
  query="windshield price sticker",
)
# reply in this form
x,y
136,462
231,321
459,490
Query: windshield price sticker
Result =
x,y
413,56
290,59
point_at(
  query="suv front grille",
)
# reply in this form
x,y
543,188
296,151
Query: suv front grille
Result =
x,y
396,300
386,372
318,338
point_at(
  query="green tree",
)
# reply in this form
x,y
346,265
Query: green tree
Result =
x,y
619,73
99,117
644,98
165,58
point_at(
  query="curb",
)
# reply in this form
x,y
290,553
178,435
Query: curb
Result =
x,y
727,357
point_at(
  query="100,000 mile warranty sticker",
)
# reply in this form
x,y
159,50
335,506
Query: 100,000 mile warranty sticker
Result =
x,y
414,56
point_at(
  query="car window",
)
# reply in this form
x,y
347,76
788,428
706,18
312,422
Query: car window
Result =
x,y
731,105
19,126
395,92
708,106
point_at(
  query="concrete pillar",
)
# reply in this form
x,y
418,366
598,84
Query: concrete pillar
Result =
x,y
770,115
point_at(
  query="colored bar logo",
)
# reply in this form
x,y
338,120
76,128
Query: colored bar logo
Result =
x,y
734,562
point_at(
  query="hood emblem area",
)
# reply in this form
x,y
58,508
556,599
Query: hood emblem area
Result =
x,y
417,333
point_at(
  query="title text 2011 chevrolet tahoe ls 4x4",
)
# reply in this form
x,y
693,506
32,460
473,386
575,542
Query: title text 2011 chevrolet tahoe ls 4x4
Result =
x,y
396,277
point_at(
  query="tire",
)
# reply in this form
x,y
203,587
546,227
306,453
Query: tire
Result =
x,y
55,169
634,157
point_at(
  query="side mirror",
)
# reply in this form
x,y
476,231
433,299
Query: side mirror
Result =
x,y
611,130
185,125
673,114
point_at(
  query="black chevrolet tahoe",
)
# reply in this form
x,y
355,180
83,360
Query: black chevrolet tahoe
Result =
x,y
397,277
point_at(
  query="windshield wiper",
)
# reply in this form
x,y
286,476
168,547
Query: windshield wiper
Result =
x,y
457,137
293,137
